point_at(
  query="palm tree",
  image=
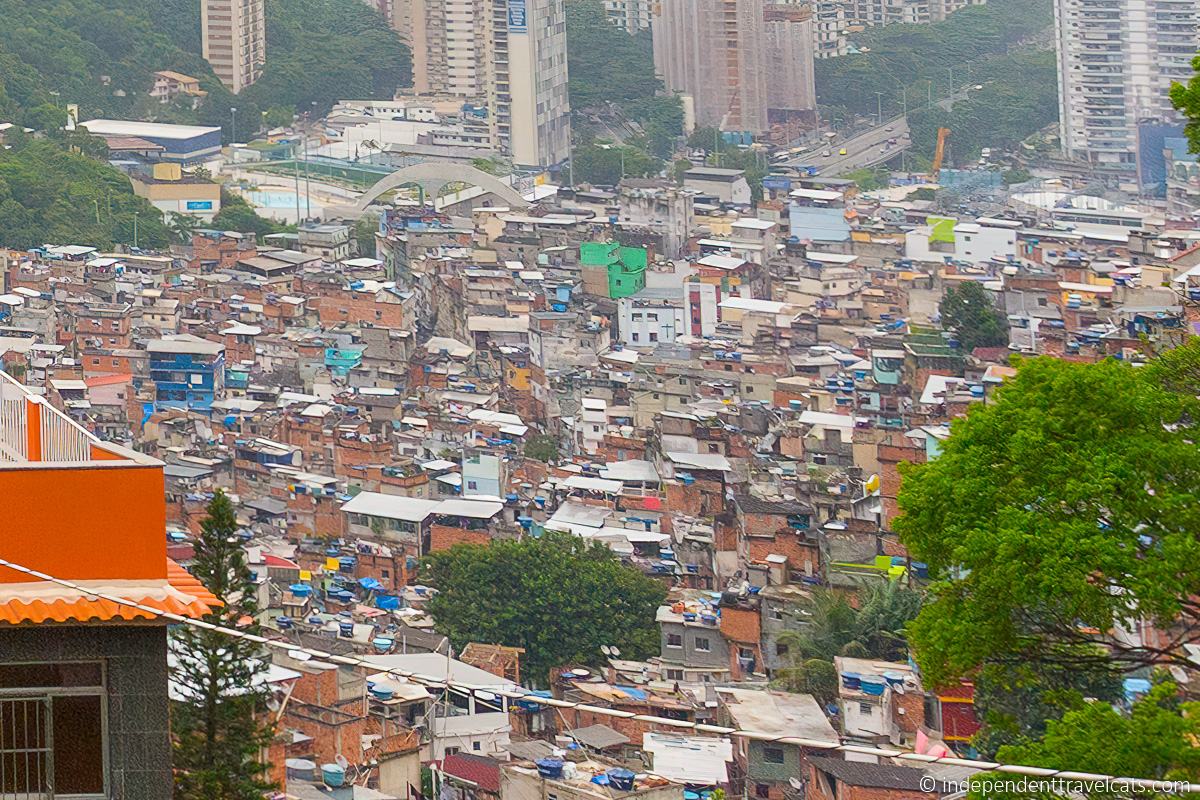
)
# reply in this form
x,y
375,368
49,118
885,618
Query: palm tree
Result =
x,y
875,629
183,225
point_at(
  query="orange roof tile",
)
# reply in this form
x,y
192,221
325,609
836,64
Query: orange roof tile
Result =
x,y
189,599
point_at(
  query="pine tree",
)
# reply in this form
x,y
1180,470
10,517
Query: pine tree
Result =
x,y
219,721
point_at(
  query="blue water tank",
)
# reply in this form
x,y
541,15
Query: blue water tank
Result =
x,y
333,775
550,767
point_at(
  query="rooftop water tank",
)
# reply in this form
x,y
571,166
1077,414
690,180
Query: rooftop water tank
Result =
x,y
333,775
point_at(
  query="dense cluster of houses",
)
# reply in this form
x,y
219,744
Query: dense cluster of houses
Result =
x,y
720,396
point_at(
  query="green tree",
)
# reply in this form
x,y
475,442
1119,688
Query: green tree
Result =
x,y
557,596
279,116
182,226
1155,740
364,234
968,311
605,63
542,448
812,676
1015,702
1056,513
50,194
45,117
1186,99
218,725
875,628
607,164
238,215
724,154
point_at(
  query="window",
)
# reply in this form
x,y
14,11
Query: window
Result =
x,y
634,336
773,755
385,574
473,485
781,649
52,730
654,337
762,790
776,613
749,389
745,652
702,644
674,640
451,751
866,709
713,447
652,317
674,674
476,746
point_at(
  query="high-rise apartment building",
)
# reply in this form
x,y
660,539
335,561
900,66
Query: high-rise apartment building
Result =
x,y
449,45
746,64
829,27
790,50
632,15
528,108
714,51
1116,62
233,37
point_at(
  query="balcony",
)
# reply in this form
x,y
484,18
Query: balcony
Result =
x,y
31,430
82,510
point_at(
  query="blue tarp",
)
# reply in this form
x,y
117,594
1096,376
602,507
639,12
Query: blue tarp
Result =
x,y
370,584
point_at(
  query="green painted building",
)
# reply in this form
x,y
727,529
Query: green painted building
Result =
x,y
625,266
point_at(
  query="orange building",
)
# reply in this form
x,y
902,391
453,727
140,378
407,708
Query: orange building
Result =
x,y
83,677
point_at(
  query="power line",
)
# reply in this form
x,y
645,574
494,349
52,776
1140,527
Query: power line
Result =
x,y
1040,773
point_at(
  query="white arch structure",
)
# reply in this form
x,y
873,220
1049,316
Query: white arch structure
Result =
x,y
432,177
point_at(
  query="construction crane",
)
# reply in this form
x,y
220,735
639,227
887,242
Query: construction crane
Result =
x,y
939,153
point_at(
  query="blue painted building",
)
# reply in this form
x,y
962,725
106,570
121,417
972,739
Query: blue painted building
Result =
x,y
187,371
186,144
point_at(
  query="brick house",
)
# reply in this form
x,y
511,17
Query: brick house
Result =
x,y
834,779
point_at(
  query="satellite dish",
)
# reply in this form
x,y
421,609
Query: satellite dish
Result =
x,y
615,652
606,650
581,672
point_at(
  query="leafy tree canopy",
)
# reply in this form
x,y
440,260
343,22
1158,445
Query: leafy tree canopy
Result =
x,y
557,596
1186,99
1061,510
238,215
1156,740
102,55
1015,702
875,628
968,310
541,448
51,195
606,64
606,165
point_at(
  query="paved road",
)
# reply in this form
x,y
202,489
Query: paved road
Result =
x,y
864,150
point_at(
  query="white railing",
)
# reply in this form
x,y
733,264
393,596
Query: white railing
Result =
x,y
13,421
58,437
62,438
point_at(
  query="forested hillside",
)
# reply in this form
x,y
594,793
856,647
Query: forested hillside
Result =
x,y
101,54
